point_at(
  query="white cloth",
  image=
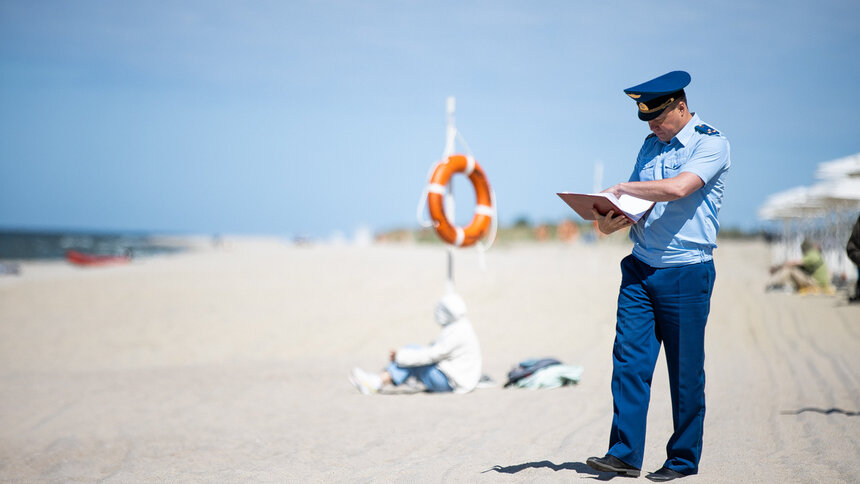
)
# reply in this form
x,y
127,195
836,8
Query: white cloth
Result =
x,y
552,376
456,352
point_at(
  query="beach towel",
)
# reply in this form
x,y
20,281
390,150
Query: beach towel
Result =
x,y
553,376
527,367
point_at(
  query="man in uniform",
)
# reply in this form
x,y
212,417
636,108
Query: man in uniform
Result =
x,y
667,281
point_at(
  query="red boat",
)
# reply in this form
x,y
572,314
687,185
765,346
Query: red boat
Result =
x,y
84,259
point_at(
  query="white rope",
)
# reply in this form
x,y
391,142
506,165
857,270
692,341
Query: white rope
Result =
x,y
419,212
491,235
465,145
422,202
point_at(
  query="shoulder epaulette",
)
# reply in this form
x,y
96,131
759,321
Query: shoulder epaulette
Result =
x,y
705,129
651,135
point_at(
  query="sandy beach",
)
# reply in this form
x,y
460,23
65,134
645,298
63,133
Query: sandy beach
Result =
x,y
230,365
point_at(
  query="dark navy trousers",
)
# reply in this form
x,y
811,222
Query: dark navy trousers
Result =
x,y
667,306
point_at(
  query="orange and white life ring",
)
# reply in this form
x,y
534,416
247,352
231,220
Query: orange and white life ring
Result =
x,y
484,211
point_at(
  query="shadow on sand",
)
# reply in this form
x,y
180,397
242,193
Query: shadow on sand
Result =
x,y
824,411
578,467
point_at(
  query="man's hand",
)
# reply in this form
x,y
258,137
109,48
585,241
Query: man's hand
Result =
x,y
392,355
615,190
608,224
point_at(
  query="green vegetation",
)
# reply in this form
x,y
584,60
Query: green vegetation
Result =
x,y
523,230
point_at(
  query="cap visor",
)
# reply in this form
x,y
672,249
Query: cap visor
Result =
x,y
650,116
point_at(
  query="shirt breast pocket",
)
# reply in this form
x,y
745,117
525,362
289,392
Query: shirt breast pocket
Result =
x,y
647,171
672,166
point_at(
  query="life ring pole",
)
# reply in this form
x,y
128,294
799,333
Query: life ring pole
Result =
x,y
450,142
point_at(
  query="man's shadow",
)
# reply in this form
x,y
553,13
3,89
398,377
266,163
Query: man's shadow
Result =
x,y
825,411
578,467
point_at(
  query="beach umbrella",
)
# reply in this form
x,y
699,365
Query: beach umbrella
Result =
x,y
840,190
794,203
837,192
847,167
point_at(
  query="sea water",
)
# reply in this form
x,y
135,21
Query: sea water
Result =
x,y
30,245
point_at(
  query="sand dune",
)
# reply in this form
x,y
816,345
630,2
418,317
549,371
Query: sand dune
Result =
x,y
230,366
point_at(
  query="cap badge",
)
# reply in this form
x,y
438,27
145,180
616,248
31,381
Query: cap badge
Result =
x,y
644,107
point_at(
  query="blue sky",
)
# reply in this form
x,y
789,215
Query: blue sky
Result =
x,y
316,117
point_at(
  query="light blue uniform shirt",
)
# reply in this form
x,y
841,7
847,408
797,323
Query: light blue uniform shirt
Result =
x,y
682,231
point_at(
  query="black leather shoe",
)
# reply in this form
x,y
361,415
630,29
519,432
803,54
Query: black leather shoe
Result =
x,y
610,463
664,474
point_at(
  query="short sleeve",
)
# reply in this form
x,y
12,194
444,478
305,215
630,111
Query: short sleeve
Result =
x,y
639,163
710,158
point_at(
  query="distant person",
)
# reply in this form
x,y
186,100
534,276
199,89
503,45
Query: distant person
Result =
x,y
807,275
853,250
567,231
541,232
452,363
666,283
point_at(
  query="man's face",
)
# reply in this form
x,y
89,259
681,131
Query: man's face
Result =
x,y
669,123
